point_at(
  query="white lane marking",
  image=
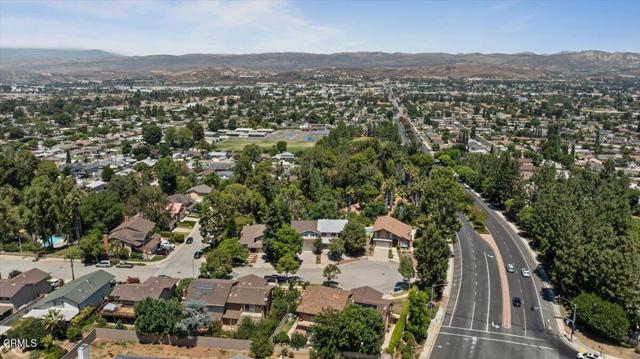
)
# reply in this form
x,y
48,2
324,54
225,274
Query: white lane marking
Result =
x,y
535,287
489,292
460,281
499,340
473,312
496,333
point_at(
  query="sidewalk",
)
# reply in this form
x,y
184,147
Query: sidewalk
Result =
x,y
436,322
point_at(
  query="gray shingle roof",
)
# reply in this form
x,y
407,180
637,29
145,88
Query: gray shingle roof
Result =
x,y
77,291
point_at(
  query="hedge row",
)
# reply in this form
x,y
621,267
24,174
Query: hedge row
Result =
x,y
398,329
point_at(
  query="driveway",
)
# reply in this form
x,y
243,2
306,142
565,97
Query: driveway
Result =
x,y
380,275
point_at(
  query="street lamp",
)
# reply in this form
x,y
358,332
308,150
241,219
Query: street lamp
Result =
x,y
575,309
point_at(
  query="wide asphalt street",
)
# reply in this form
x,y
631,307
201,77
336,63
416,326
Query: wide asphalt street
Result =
x,y
472,324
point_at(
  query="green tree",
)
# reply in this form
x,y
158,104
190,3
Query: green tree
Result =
x,y
197,132
431,252
101,210
107,173
30,329
405,268
443,199
286,242
281,146
331,272
54,323
287,264
92,247
261,346
298,340
167,174
418,318
602,317
354,237
196,321
151,133
363,330
336,249
157,316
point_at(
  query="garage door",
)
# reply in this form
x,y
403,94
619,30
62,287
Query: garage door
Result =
x,y
307,245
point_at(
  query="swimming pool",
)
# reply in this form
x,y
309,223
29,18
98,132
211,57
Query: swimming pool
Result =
x,y
54,241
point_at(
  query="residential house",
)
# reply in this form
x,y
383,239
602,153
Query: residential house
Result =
x,y
179,205
309,232
134,234
124,297
284,157
249,298
228,301
315,299
371,298
89,290
197,193
390,232
22,290
252,236
330,229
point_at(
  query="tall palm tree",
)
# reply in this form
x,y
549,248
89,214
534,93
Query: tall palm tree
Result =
x,y
53,322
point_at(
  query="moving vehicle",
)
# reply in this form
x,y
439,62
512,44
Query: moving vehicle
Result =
x,y
198,254
526,273
510,268
189,240
517,302
104,264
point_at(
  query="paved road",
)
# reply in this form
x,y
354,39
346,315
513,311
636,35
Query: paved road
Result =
x,y
532,334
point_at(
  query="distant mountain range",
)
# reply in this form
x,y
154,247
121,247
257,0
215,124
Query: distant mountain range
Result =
x,y
97,64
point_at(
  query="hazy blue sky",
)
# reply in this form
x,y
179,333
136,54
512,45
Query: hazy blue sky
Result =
x,y
140,27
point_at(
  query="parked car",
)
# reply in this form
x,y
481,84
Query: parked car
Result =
x,y
162,251
400,286
517,302
198,254
124,265
168,246
104,264
56,282
510,268
189,240
526,273
587,355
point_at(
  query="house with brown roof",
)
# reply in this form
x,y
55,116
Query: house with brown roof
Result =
x,y
389,232
22,290
308,229
371,298
197,193
124,297
250,298
317,298
135,234
228,301
252,236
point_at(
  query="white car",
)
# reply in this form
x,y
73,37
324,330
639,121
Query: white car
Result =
x,y
510,268
526,273
167,245
587,355
104,264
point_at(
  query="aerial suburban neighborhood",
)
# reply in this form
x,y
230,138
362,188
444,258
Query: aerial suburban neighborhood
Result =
x,y
300,205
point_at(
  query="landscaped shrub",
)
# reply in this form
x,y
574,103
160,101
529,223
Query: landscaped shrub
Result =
x,y
178,237
281,338
398,329
298,340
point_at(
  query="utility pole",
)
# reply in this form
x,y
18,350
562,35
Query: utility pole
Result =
x,y
575,309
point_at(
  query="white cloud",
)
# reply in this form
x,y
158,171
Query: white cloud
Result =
x,y
145,27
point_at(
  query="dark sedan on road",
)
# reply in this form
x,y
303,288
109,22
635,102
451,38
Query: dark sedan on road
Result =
x,y
198,254
517,302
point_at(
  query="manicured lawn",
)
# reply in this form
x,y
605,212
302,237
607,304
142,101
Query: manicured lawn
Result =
x,y
237,144
287,326
186,224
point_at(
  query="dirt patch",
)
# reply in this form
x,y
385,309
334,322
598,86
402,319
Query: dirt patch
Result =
x,y
108,349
